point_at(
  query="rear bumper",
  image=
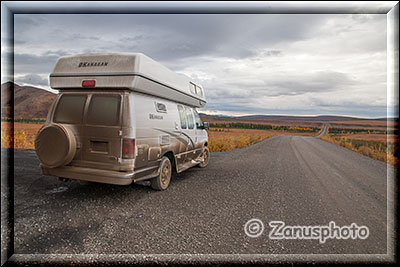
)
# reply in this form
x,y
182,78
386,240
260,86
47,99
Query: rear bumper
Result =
x,y
92,175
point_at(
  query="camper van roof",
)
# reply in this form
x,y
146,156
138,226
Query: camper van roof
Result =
x,y
117,70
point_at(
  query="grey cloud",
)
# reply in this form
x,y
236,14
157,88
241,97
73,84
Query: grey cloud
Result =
x,y
363,18
242,96
25,22
229,52
6,40
237,95
286,85
321,81
280,28
24,25
79,36
19,41
30,63
32,79
312,108
57,53
271,53
135,38
183,35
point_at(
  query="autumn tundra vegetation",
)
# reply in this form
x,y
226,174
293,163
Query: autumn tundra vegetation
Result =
x,y
375,142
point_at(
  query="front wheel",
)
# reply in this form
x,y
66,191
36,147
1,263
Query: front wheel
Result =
x,y
205,157
161,182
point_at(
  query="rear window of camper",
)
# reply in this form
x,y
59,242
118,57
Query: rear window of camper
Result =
x,y
70,109
104,110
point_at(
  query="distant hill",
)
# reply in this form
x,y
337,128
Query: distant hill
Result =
x,y
306,121
301,118
29,102
320,118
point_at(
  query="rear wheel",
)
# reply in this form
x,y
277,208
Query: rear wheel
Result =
x,y
205,157
161,182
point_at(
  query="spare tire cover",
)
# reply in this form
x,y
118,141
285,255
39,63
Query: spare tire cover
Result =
x,y
55,145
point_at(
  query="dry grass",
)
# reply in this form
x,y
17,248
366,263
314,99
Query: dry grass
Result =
x,y
227,139
368,137
377,146
222,139
24,134
219,139
365,124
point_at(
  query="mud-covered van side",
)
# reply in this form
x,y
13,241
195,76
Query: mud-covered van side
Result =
x,y
121,118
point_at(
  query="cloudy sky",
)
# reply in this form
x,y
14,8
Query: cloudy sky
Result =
x,y
248,64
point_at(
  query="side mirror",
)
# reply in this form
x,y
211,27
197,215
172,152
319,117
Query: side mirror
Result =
x,y
205,125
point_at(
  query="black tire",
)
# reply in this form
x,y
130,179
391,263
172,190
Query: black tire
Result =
x,y
162,181
206,158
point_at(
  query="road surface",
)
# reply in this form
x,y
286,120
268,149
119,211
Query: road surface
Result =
x,y
298,180
323,131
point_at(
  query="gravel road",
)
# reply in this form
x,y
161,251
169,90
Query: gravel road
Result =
x,y
323,131
298,180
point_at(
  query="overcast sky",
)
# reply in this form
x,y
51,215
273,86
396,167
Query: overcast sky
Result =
x,y
248,64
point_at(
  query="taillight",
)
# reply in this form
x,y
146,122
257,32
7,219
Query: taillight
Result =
x,y
128,148
89,83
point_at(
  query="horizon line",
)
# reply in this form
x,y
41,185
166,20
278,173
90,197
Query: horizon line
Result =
x,y
235,116
286,115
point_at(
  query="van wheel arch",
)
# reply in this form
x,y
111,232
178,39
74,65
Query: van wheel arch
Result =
x,y
205,155
163,179
171,157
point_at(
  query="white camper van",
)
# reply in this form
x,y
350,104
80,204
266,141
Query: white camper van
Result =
x,y
121,118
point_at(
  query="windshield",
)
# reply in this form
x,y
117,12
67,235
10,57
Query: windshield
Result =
x,y
197,118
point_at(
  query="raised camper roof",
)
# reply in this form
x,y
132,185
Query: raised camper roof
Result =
x,y
133,71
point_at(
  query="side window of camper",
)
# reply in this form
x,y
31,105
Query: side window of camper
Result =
x,y
199,91
70,109
189,116
104,110
182,116
197,118
192,88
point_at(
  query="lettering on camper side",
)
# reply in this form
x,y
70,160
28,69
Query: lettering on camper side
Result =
x,y
92,64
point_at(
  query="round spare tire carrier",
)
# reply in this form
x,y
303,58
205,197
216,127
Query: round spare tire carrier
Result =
x,y
55,145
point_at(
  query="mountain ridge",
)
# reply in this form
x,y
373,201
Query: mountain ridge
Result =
x,y
29,102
